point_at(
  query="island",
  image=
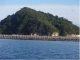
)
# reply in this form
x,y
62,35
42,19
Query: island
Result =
x,y
31,23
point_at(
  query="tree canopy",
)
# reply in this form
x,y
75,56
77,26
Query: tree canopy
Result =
x,y
27,21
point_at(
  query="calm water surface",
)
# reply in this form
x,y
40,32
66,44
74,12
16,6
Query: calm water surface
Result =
x,y
42,50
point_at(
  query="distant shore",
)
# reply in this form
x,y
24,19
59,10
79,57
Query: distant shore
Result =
x,y
48,38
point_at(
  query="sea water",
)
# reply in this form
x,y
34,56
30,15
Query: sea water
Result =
x,y
38,50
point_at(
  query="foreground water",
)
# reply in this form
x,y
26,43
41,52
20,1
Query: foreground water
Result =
x,y
34,50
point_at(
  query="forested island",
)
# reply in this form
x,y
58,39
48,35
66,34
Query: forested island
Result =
x,y
28,21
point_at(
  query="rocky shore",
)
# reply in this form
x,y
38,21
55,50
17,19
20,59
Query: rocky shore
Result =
x,y
32,37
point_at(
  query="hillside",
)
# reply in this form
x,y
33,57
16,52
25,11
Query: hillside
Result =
x,y
27,21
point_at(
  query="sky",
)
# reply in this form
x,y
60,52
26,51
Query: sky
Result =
x,y
68,9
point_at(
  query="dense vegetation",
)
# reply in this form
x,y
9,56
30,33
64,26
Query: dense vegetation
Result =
x,y
27,21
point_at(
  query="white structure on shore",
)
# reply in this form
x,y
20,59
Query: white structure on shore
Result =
x,y
77,35
55,34
34,34
74,35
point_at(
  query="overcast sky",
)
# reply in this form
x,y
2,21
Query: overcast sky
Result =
x,y
63,8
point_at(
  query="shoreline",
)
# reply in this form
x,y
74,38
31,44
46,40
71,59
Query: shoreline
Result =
x,y
43,38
